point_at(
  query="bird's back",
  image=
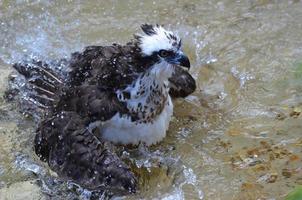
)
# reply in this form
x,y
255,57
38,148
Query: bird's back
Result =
x,y
113,66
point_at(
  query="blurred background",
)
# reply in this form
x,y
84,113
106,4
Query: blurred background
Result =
x,y
237,137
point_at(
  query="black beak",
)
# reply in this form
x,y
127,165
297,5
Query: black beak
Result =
x,y
184,61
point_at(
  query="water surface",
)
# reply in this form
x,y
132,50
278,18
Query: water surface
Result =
x,y
237,137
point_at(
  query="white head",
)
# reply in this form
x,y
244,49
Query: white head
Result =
x,y
162,45
157,38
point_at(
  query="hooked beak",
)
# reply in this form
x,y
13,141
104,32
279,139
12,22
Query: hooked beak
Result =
x,y
182,60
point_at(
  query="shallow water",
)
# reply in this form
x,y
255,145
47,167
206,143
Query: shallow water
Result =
x,y
237,137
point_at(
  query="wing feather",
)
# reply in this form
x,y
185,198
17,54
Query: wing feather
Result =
x,y
182,83
91,101
76,153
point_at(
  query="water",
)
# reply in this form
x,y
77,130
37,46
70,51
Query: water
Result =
x,y
237,137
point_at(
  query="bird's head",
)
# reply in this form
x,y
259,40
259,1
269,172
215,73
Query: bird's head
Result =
x,y
162,45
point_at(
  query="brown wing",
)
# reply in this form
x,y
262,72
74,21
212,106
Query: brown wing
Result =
x,y
90,101
76,153
182,83
107,66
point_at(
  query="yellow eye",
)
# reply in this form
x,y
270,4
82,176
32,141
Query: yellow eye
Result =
x,y
163,53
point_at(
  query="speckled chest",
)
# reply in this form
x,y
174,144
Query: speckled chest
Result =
x,y
145,99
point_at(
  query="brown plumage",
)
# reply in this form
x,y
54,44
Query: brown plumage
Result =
x,y
83,92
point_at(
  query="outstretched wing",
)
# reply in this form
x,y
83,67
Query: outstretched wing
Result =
x,y
36,86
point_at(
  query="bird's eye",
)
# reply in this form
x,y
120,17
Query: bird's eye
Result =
x,y
163,53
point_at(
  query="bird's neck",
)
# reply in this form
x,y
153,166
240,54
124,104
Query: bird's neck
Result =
x,y
152,82
148,94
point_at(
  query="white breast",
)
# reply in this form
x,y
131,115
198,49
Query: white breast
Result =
x,y
123,130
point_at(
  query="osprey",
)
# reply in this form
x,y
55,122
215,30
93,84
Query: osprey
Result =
x,y
119,93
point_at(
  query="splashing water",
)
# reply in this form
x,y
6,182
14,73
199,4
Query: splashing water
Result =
x,y
237,137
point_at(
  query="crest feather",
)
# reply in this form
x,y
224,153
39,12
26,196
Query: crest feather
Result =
x,y
157,38
148,29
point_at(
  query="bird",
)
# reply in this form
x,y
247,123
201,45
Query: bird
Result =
x,y
104,95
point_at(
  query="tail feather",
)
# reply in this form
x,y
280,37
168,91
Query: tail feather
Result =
x,y
37,85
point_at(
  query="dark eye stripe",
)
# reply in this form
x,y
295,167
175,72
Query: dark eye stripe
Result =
x,y
165,53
